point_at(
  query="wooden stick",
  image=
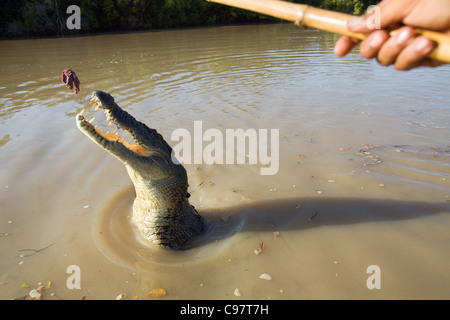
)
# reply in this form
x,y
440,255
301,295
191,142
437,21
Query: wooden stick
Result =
x,y
335,22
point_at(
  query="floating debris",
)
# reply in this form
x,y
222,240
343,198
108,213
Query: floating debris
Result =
x,y
35,294
260,248
369,159
368,146
157,293
313,216
261,245
33,251
265,276
121,296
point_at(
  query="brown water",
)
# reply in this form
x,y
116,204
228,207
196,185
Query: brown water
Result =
x,y
363,179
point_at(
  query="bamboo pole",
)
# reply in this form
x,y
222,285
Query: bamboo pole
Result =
x,y
335,22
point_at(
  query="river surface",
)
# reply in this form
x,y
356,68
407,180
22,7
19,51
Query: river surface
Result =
x,y
354,203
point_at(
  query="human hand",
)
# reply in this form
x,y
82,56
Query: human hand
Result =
x,y
404,49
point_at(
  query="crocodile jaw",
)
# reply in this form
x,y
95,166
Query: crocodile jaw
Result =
x,y
161,210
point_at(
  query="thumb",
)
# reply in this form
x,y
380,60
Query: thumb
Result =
x,y
386,13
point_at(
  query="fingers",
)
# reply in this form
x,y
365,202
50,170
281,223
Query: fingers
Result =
x,y
371,46
414,54
393,46
404,49
344,45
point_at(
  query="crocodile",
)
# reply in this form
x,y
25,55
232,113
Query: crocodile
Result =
x,y
161,210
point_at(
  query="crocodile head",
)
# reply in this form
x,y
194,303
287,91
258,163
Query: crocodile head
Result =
x,y
161,209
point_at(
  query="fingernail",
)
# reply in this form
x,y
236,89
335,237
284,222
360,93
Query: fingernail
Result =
x,y
355,23
423,45
376,40
403,36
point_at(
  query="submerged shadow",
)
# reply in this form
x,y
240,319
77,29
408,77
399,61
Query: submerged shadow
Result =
x,y
295,214
119,240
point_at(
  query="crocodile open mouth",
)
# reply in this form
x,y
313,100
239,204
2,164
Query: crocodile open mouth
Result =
x,y
103,138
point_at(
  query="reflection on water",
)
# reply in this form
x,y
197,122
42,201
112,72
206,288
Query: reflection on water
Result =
x,y
363,178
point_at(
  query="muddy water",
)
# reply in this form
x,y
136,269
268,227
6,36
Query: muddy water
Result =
x,y
363,177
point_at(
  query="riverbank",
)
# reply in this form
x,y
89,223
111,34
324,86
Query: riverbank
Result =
x,y
62,18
